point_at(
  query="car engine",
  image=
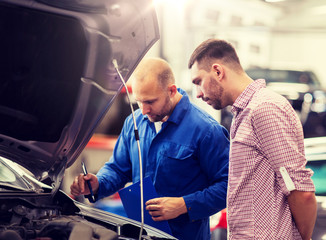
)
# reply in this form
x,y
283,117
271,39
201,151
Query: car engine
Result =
x,y
34,219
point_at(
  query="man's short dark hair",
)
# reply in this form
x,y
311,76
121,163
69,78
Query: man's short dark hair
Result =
x,y
215,49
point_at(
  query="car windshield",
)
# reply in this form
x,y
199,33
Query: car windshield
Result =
x,y
319,177
285,76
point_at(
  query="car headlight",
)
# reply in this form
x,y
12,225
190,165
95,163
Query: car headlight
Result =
x,y
319,104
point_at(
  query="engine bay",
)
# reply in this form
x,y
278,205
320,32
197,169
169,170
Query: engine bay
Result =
x,y
22,220
59,218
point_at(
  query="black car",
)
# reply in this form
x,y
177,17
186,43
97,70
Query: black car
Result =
x,y
58,80
304,91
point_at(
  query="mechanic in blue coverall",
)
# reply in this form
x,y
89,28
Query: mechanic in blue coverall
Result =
x,y
183,149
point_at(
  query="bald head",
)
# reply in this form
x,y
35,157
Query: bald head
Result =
x,y
154,70
154,89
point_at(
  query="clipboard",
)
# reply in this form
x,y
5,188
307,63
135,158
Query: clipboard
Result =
x,y
130,197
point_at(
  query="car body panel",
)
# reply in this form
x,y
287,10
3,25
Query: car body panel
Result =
x,y
58,82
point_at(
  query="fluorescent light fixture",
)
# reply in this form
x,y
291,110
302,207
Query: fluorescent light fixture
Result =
x,y
274,1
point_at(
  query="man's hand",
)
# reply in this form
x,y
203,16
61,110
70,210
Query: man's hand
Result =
x,y
79,186
166,208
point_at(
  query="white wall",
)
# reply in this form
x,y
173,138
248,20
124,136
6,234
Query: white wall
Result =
x,y
303,50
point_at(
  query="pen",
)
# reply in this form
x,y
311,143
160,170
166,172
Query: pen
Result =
x,y
90,197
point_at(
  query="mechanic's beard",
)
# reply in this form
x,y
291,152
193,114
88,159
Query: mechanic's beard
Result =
x,y
166,111
154,118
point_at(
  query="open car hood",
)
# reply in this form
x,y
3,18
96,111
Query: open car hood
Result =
x,y
57,77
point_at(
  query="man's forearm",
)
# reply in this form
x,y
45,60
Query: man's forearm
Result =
x,y
304,211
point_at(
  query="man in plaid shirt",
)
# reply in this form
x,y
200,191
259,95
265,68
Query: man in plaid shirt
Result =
x,y
270,192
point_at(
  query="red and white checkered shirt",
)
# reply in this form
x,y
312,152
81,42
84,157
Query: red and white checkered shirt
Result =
x,y
266,134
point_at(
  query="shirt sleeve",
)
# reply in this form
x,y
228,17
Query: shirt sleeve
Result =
x,y
280,138
117,171
214,161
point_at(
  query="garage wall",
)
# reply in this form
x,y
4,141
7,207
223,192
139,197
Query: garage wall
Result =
x,y
305,50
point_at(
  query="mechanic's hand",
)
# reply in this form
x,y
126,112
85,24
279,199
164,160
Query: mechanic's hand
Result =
x,y
166,208
79,186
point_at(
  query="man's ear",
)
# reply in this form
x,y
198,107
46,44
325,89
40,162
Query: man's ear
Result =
x,y
219,70
172,89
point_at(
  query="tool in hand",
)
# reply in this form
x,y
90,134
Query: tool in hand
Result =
x,y
90,197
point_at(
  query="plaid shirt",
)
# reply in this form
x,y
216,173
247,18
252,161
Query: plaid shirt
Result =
x,y
266,135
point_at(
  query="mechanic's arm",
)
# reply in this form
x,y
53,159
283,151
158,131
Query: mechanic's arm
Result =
x,y
115,173
304,211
